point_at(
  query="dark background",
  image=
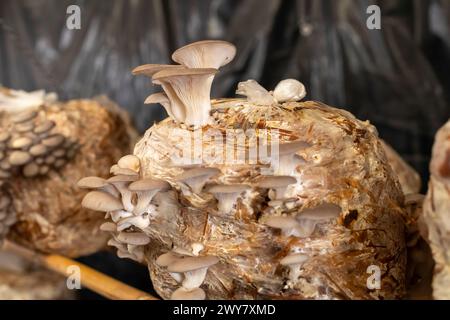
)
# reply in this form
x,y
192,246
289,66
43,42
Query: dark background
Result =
x,y
397,77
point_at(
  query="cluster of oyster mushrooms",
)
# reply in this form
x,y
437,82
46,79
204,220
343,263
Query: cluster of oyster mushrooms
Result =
x,y
29,147
304,222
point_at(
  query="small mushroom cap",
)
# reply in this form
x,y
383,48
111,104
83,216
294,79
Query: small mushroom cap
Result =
x,y
275,181
123,171
108,226
38,150
149,184
24,116
295,258
282,222
129,162
167,74
150,69
167,258
205,54
229,188
192,263
184,294
123,178
292,147
158,97
92,183
197,172
321,212
133,238
18,158
101,201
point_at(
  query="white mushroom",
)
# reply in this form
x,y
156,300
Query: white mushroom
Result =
x,y
277,183
194,270
294,262
190,86
140,222
289,90
150,69
118,215
205,54
227,195
184,294
255,93
108,227
133,238
177,114
101,201
129,162
324,211
287,158
97,183
289,226
197,177
167,259
121,183
146,190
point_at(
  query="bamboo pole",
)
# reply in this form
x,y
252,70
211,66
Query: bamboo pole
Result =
x,y
98,282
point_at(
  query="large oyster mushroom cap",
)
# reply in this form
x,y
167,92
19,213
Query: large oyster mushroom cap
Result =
x,y
150,69
101,201
192,263
205,54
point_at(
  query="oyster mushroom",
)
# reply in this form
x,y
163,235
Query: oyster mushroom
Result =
x,y
150,69
289,90
163,100
190,86
194,270
205,54
197,177
146,190
121,183
140,222
324,211
167,259
129,162
185,294
289,226
227,195
294,262
133,238
97,183
108,227
101,201
287,158
277,183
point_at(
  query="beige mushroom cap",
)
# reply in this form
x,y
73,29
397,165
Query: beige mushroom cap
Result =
x,y
322,212
295,258
205,54
184,294
192,263
167,259
123,178
168,74
196,173
101,201
282,222
129,162
148,184
158,97
292,147
91,183
150,69
275,181
229,188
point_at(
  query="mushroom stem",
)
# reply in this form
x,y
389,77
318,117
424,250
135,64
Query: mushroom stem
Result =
x,y
144,199
194,279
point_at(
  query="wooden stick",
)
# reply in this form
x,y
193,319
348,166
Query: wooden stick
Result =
x,y
96,281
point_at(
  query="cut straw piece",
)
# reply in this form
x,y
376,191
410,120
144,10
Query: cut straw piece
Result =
x,y
98,282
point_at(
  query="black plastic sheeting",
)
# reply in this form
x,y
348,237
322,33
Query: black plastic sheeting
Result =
x,y
397,77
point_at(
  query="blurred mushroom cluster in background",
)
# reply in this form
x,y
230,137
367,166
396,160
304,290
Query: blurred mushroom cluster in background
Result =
x,y
55,129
